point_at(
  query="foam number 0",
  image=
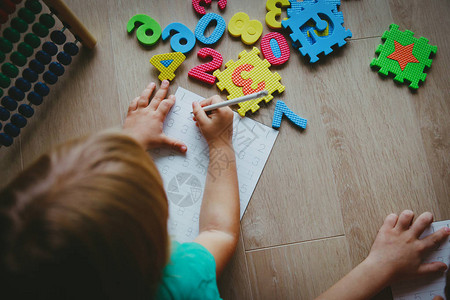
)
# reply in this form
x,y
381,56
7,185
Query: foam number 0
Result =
x,y
249,30
246,84
199,72
275,48
273,11
203,24
182,34
145,25
201,10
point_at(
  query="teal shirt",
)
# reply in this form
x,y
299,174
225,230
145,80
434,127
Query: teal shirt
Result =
x,y
190,274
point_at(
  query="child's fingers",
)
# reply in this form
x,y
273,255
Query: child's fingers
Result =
x,y
205,102
178,145
390,221
405,220
133,105
421,223
145,96
165,105
430,268
160,95
434,240
199,113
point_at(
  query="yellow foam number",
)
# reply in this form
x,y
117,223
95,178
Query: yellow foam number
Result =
x,y
274,11
249,30
167,64
319,33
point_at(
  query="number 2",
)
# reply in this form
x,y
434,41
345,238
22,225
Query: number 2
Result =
x,y
199,72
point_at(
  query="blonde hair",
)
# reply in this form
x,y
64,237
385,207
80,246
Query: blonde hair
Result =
x,y
86,220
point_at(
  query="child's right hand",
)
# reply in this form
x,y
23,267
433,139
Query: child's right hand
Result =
x,y
217,127
398,252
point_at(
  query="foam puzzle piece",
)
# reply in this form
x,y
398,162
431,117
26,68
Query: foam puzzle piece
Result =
x,y
182,33
201,9
145,24
167,63
203,24
199,72
249,30
403,55
314,44
258,74
273,8
275,48
298,6
282,109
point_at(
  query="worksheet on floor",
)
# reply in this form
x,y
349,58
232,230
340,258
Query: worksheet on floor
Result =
x,y
184,175
428,287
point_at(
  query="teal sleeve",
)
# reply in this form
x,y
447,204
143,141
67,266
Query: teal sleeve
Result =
x,y
190,274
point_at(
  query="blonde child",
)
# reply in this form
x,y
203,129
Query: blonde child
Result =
x,y
89,219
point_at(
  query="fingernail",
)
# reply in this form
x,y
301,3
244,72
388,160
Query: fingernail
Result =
x,y
165,82
443,268
447,229
183,148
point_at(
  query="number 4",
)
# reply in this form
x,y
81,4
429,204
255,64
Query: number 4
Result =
x,y
282,109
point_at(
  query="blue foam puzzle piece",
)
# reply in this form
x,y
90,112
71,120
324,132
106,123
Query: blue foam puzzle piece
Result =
x,y
180,33
166,62
217,33
282,109
314,45
297,7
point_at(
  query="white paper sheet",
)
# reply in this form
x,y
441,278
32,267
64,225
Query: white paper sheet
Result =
x,y
429,287
184,175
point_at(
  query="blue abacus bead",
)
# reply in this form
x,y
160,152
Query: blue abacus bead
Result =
x,y
50,77
9,103
5,140
35,98
43,57
58,37
15,93
36,66
26,110
64,58
4,114
56,68
71,48
11,130
30,75
50,48
23,84
18,121
42,89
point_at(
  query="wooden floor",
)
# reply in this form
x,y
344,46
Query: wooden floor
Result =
x,y
371,147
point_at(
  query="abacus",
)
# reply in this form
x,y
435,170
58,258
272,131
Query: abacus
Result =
x,y
42,70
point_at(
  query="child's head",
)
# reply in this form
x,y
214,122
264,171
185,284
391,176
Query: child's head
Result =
x,y
88,220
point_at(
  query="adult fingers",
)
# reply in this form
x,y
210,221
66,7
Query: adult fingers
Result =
x,y
160,95
199,113
432,267
390,221
176,144
165,105
133,105
421,223
434,240
405,220
145,96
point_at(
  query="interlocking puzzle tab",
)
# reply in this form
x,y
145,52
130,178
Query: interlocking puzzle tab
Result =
x,y
404,56
247,75
282,109
167,64
312,40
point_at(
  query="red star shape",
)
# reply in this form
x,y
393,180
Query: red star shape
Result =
x,y
403,54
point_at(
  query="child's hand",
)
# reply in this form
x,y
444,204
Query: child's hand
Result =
x,y
217,127
144,120
397,251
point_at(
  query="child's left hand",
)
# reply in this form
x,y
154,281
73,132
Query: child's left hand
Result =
x,y
145,118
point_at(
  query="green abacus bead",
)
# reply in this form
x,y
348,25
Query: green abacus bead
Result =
x,y
40,30
10,70
27,15
47,20
19,24
32,40
18,59
4,81
25,49
5,45
2,57
34,6
11,35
